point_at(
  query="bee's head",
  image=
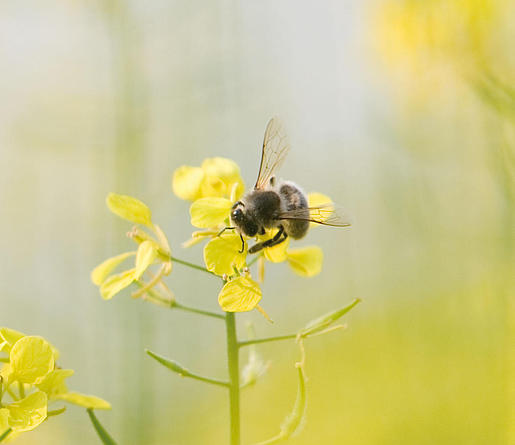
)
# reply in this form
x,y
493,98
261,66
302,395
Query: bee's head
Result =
x,y
237,215
240,218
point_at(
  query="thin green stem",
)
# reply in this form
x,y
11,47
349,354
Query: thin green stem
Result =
x,y
253,260
208,380
197,311
5,434
193,266
21,389
266,340
234,377
172,304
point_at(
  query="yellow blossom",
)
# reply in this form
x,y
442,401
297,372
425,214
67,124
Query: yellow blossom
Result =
x,y
222,254
215,178
241,294
30,379
151,249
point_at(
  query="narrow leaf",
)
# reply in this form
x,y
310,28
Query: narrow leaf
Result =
x,y
322,323
170,364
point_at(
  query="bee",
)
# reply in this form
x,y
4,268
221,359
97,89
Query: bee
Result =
x,y
276,203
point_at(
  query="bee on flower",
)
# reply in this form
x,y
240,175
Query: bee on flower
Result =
x,y
273,212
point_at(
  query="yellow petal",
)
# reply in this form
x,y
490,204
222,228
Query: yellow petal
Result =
x,y
53,383
224,170
102,271
186,182
31,358
28,413
84,400
209,212
116,283
147,253
222,254
212,186
277,253
316,199
8,337
129,208
4,424
306,261
239,295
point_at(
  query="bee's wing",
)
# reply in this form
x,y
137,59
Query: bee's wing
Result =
x,y
275,149
327,214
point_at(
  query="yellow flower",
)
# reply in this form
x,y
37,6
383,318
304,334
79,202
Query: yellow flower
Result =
x,y
151,250
216,177
30,370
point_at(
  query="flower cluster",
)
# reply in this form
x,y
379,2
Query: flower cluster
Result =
x,y
212,189
223,255
32,380
151,249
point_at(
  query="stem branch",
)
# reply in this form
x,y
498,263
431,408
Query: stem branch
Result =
x,y
193,266
266,340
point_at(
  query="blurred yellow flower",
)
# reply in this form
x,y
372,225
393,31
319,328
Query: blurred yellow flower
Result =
x,y
217,177
30,367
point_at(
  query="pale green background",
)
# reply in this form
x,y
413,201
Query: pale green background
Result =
x,y
113,96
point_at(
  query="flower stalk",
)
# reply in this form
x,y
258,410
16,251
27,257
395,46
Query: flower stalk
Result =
x,y
234,376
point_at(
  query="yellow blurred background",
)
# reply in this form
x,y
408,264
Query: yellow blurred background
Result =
x,y
402,111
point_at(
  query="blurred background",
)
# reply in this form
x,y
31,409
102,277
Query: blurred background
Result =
x,y
402,111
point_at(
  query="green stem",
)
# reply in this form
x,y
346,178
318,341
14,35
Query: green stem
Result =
x,y
5,434
266,340
253,260
172,304
234,377
102,433
193,266
197,311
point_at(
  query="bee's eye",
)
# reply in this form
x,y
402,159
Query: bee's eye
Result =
x,y
237,214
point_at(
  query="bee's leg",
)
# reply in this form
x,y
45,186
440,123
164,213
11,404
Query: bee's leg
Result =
x,y
270,242
224,229
242,244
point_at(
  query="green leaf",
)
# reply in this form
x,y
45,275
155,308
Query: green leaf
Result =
x,y
170,364
102,433
293,422
129,208
321,323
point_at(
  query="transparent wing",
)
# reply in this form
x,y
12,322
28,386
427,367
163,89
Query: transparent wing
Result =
x,y
327,214
275,149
